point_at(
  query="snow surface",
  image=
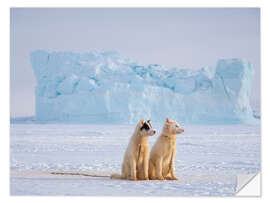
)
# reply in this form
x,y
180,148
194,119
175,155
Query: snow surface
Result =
x,y
207,161
104,87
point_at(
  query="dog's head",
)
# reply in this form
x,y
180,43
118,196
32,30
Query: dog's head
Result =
x,y
172,127
145,128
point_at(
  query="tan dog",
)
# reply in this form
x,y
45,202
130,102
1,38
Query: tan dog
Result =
x,y
161,163
135,163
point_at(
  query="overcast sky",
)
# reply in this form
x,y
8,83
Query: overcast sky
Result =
x,y
182,37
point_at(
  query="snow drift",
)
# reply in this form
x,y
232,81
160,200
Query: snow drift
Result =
x,y
103,87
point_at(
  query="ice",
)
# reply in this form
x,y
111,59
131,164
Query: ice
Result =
x,y
86,85
207,162
104,87
67,86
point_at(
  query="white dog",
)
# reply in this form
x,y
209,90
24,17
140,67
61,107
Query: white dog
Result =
x,y
135,163
161,163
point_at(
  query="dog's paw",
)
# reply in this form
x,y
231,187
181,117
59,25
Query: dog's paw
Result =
x,y
133,179
171,178
161,178
174,178
143,179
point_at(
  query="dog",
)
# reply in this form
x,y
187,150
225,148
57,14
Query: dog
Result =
x,y
136,159
161,163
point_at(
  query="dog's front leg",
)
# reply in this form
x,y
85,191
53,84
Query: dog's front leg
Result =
x,y
146,164
159,169
133,169
173,177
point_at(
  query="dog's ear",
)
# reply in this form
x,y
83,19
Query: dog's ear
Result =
x,y
166,125
149,122
167,120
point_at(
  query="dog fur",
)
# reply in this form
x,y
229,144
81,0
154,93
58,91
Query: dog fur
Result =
x,y
161,163
136,159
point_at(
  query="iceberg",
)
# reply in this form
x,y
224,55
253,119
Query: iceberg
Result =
x,y
104,87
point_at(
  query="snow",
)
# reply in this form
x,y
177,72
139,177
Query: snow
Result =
x,y
104,87
208,159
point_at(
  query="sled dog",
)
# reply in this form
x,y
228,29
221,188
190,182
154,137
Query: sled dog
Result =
x,y
136,159
161,163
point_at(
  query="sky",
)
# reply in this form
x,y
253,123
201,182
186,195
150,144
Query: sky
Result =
x,y
173,37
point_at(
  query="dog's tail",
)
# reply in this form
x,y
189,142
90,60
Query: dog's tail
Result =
x,y
116,176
